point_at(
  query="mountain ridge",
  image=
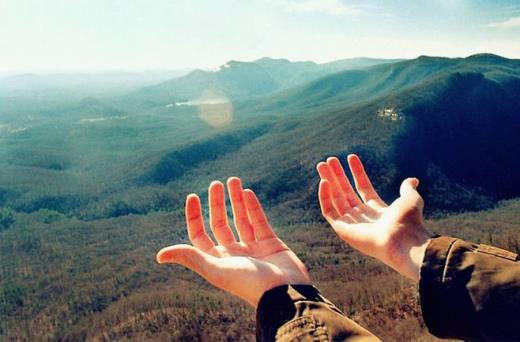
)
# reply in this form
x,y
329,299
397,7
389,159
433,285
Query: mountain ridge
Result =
x,y
354,85
229,80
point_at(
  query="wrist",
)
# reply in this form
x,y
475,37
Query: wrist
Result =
x,y
416,258
293,282
407,253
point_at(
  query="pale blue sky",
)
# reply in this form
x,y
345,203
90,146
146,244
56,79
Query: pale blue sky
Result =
x,y
38,35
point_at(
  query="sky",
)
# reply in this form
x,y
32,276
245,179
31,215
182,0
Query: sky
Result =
x,y
73,35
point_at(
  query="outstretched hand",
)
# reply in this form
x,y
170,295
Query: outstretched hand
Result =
x,y
247,268
394,234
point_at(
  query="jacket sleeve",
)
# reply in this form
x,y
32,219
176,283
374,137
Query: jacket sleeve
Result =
x,y
301,313
470,291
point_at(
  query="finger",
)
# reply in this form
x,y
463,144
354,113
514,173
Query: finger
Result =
x,y
348,219
196,231
257,217
355,235
244,228
368,213
363,185
218,214
338,200
343,182
193,258
408,191
329,212
357,215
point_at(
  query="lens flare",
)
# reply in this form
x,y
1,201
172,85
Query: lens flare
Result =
x,y
215,108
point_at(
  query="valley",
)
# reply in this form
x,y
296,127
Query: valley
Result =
x,y
92,185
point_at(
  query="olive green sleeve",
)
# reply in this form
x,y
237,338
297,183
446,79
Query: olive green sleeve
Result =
x,y
470,291
301,313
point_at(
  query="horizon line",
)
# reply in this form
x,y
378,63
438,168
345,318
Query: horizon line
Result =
x,y
79,70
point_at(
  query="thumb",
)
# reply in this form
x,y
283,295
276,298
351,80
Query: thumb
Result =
x,y
408,186
409,192
190,257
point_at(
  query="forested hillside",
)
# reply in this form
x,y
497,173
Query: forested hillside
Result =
x,y
92,187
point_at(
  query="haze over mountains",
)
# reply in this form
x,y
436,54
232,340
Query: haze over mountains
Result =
x,y
93,180
84,83
237,79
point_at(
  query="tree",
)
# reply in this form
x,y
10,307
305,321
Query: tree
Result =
x,y
6,218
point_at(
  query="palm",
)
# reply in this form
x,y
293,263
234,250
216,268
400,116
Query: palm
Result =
x,y
260,250
366,222
246,268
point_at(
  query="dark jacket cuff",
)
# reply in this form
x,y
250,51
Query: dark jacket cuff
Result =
x,y
442,305
301,313
277,307
470,291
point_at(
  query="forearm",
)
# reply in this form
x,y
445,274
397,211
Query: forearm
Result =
x,y
300,312
470,291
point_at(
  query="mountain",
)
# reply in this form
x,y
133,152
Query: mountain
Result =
x,y
431,117
351,86
235,80
450,122
356,63
91,188
288,74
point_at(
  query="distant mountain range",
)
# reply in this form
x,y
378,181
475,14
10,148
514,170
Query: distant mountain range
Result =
x,y
235,79
81,83
352,86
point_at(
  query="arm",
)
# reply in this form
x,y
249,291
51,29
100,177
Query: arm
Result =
x,y
470,291
395,234
467,291
259,268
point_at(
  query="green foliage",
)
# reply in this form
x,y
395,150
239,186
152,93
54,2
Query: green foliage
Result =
x,y
60,203
11,298
6,218
120,208
48,216
179,162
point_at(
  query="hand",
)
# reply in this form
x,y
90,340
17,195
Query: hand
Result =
x,y
246,268
393,234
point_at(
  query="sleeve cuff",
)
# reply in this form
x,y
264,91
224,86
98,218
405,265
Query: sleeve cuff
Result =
x,y
445,303
277,307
